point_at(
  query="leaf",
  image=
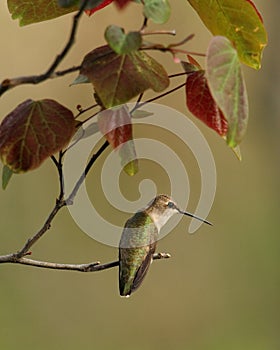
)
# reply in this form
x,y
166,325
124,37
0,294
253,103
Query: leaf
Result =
x,y
96,5
120,42
122,3
140,113
189,67
28,12
240,22
115,125
119,78
83,133
67,3
81,79
201,103
227,86
33,131
157,10
193,62
6,176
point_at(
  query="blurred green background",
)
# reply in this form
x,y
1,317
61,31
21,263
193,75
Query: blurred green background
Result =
x,y
220,290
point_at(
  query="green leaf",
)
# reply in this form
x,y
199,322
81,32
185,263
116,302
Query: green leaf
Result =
x,y
6,176
189,67
227,86
34,131
28,12
129,161
240,22
83,133
67,3
140,113
81,79
119,78
157,10
115,125
120,42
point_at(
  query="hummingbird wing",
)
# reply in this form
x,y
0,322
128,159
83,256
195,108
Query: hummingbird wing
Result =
x,y
143,268
137,246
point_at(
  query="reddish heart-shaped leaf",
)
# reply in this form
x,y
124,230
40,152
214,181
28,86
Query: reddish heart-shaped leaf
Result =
x,y
115,125
34,131
228,88
119,77
122,3
201,103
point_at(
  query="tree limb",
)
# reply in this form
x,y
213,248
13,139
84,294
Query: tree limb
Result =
x,y
8,84
90,267
60,203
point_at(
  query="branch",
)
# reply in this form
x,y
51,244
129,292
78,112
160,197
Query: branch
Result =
x,y
31,241
60,203
72,195
91,267
8,84
141,104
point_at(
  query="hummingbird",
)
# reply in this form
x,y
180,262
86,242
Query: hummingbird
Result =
x,y
139,239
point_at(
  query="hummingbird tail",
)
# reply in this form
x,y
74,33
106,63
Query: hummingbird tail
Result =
x,y
124,291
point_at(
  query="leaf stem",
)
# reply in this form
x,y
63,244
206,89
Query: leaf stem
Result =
x,y
156,32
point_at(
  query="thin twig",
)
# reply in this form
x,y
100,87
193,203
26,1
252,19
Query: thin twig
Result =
x,y
159,96
76,188
182,42
177,75
59,166
60,203
61,176
7,84
84,110
31,241
159,47
158,32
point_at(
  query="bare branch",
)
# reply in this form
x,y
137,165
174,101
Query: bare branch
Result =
x,y
141,104
60,203
72,195
90,267
8,84
31,241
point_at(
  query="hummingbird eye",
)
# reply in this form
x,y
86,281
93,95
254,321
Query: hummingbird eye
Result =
x,y
170,205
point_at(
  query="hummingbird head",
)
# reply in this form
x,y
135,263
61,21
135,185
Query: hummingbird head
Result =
x,y
162,207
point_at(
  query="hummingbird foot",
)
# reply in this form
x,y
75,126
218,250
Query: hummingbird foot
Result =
x,y
158,256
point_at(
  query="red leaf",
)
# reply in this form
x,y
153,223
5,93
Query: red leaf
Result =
x,y
122,3
193,62
201,103
33,131
99,7
115,125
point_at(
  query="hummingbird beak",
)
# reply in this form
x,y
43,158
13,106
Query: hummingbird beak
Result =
x,y
194,216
